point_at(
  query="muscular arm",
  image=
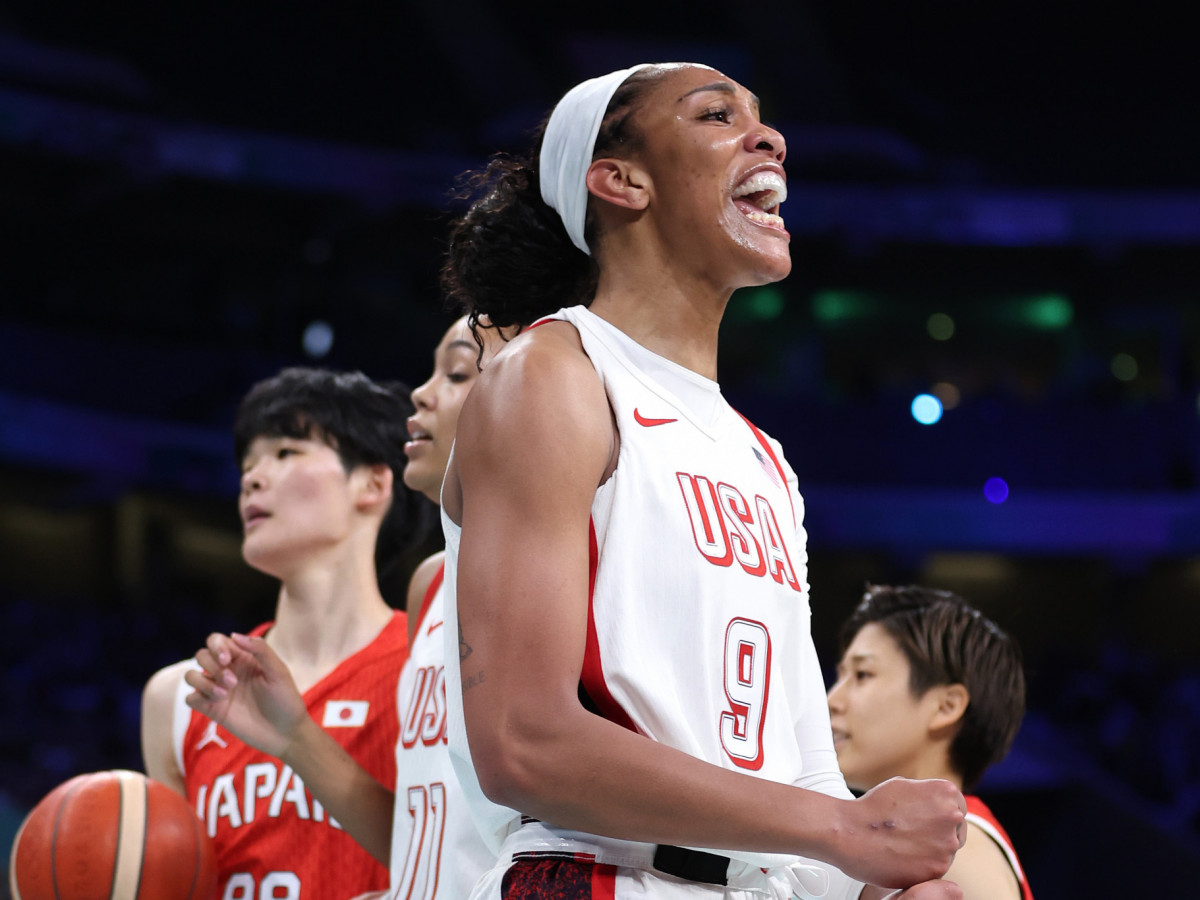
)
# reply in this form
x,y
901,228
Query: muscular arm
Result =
x,y
246,688
158,721
534,441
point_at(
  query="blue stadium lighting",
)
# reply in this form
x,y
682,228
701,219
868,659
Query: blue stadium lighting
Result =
x,y
926,409
318,339
995,489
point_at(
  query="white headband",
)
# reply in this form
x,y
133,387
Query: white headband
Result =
x,y
567,148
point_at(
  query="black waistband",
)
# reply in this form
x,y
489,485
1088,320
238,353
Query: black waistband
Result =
x,y
692,865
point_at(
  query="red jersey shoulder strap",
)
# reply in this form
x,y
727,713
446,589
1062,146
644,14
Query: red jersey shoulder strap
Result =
x,y
766,445
430,593
983,818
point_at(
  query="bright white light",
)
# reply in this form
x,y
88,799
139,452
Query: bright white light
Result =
x,y
926,409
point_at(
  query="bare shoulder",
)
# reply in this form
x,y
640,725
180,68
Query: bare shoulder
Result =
x,y
981,869
540,359
418,587
158,718
158,698
161,687
541,395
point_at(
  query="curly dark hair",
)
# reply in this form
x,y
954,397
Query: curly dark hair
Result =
x,y
509,260
363,420
948,641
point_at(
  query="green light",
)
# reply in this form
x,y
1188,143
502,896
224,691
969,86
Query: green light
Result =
x,y
1049,312
766,303
1124,367
760,304
940,327
833,306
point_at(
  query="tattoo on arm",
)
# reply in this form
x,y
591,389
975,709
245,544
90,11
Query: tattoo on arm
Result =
x,y
470,681
464,649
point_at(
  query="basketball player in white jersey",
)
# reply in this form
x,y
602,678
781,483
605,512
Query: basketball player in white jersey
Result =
x,y
626,560
436,851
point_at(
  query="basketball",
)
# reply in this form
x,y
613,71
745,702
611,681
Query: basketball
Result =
x,y
112,836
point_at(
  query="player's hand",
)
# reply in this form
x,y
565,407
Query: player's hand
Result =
x,y
247,689
903,832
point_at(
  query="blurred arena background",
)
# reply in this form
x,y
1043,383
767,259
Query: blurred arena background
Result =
x,y
985,366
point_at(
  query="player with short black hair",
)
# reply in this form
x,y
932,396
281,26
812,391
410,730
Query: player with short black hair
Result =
x,y
321,457
929,687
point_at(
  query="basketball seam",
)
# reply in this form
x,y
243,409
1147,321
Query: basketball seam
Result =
x,y
128,867
62,807
12,862
120,828
145,836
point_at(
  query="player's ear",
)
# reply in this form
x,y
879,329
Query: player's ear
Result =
x,y
621,182
375,487
952,702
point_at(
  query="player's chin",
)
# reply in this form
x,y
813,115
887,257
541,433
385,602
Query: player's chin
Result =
x,y
772,257
769,268
780,269
424,475
263,556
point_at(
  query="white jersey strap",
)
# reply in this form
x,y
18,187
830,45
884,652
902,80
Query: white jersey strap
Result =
x,y
181,715
990,830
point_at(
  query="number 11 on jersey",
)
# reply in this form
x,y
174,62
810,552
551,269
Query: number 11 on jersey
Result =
x,y
427,806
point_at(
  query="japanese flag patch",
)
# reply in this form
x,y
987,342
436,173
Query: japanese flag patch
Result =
x,y
345,713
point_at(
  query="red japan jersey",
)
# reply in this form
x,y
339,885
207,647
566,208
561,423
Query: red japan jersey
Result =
x,y
979,815
273,838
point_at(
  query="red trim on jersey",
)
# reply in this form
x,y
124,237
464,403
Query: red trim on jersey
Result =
x,y
430,592
977,807
766,445
592,675
523,855
604,882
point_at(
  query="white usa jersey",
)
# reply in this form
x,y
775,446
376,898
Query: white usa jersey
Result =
x,y
437,852
699,623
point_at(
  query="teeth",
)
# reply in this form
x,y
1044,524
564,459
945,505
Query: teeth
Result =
x,y
765,218
771,183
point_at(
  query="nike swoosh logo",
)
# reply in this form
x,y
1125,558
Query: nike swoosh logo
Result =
x,y
650,423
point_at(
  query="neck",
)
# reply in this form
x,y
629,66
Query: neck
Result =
x,y
935,764
665,295
328,609
665,317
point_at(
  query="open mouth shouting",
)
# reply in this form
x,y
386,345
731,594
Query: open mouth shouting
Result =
x,y
759,196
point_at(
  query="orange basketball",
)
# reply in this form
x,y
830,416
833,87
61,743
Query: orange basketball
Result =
x,y
112,836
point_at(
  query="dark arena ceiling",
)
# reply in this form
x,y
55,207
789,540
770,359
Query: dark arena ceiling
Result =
x,y
996,205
